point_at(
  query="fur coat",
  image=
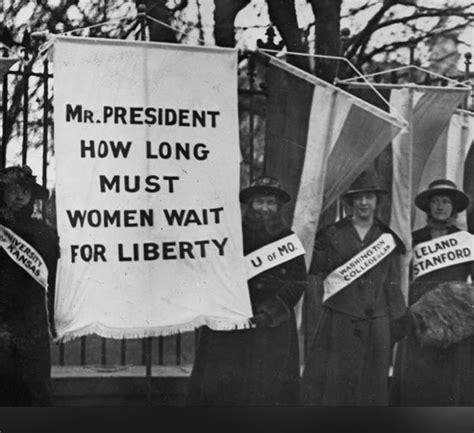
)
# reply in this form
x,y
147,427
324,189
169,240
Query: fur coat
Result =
x,y
445,315
435,364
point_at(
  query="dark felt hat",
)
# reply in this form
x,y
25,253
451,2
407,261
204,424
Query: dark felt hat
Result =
x,y
264,185
23,176
366,182
442,187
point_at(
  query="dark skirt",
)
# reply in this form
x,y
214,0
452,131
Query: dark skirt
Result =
x,y
348,362
246,367
432,376
25,371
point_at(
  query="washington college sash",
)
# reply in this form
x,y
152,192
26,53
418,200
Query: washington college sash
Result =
x,y
273,254
24,255
440,252
358,265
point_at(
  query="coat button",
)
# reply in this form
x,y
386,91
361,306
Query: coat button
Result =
x,y
369,312
283,271
259,285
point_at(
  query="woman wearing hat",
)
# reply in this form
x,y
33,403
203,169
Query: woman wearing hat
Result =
x,y
258,366
24,303
359,260
439,370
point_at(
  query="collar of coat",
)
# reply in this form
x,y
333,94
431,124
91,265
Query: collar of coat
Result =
x,y
401,249
424,234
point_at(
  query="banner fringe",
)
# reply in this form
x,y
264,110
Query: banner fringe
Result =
x,y
157,331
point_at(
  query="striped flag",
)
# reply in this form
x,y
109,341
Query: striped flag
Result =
x,y
319,138
429,112
447,160
416,155
468,184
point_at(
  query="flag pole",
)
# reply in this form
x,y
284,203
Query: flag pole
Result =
x,y
406,258
467,63
142,16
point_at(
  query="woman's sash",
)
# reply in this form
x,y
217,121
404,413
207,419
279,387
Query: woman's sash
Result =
x,y
273,254
441,252
24,255
358,265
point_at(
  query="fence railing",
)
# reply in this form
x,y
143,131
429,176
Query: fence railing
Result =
x,y
27,137
27,127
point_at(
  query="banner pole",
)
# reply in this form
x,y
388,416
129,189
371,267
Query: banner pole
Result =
x,y
142,18
467,72
406,258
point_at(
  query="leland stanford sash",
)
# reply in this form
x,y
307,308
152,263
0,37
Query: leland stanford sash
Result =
x,y
24,255
273,254
440,252
358,265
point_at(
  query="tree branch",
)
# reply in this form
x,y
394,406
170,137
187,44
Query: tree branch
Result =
x,y
437,13
353,12
402,44
283,16
364,35
180,6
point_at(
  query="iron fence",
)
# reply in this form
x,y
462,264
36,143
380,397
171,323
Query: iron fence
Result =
x,y
20,127
24,91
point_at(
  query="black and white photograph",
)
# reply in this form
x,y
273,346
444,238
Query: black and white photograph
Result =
x,y
263,206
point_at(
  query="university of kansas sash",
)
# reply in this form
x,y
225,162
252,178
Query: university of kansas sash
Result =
x,y
358,265
440,252
24,255
273,254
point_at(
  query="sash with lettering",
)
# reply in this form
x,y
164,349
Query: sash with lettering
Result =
x,y
438,253
273,254
24,255
358,265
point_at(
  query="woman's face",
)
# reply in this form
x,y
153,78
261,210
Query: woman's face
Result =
x,y
16,196
265,205
364,205
441,207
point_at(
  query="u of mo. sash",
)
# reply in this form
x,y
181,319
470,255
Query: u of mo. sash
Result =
x,y
444,251
24,255
358,265
273,254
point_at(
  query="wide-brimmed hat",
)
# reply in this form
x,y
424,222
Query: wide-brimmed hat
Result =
x,y
23,176
264,185
447,187
366,182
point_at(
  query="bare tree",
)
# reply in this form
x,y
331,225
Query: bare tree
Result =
x,y
421,25
362,47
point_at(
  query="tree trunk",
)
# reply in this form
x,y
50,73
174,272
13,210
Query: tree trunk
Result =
x,y
225,12
283,15
159,32
327,14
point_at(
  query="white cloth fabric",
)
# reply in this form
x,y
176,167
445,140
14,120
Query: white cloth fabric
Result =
x,y
147,169
428,113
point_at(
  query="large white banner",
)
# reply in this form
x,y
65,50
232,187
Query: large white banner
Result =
x,y
147,157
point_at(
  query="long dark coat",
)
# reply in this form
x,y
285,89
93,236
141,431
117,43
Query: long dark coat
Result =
x,y
432,376
25,367
348,362
258,366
